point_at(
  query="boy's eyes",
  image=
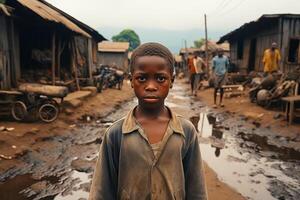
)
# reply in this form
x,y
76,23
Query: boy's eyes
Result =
x,y
141,78
159,78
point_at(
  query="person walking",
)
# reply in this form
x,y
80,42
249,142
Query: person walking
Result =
x,y
219,71
192,71
199,72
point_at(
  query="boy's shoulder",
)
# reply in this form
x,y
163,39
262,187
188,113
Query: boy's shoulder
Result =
x,y
114,131
188,127
185,123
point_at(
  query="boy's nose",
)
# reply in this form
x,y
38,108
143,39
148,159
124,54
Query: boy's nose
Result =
x,y
151,86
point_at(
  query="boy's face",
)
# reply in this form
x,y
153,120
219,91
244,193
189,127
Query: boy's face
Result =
x,y
151,80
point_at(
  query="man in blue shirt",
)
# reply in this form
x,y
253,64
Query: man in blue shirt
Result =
x,y
219,70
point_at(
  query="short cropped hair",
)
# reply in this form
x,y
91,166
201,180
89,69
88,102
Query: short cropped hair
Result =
x,y
152,49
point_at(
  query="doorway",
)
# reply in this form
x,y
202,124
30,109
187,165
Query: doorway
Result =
x,y
252,55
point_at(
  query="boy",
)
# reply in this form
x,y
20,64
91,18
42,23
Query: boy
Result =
x,y
151,153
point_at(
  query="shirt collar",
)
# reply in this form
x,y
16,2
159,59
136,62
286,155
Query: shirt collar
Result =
x,y
130,124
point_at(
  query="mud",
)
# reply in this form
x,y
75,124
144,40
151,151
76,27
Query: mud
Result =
x,y
246,157
258,166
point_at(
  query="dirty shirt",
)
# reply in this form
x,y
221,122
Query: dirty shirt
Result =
x,y
271,59
220,65
191,66
128,168
199,65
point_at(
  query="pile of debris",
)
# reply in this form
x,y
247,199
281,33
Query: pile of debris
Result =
x,y
268,91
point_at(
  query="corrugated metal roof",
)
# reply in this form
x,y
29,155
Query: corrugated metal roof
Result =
x,y
52,15
255,24
107,46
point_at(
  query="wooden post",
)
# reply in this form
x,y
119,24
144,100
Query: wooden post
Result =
x,y
74,63
186,55
206,46
53,58
59,49
90,57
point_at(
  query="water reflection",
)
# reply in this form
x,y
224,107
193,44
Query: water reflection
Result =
x,y
208,133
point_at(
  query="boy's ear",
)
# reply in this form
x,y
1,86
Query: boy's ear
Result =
x,y
130,78
172,81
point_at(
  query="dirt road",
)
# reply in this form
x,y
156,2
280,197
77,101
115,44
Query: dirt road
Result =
x,y
57,161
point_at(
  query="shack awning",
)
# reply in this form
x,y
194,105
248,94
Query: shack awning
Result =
x,y
52,15
117,47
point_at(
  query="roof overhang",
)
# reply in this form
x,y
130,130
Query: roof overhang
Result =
x,y
254,26
50,14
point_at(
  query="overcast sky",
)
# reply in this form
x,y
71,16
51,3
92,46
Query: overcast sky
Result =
x,y
172,21
173,14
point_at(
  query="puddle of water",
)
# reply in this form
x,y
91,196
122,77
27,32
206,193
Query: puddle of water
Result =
x,y
236,170
79,193
250,174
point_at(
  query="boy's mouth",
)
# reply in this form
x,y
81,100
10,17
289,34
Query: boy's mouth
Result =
x,y
151,99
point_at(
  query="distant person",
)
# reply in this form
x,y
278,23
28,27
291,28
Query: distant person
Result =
x,y
219,71
199,72
192,71
152,153
271,59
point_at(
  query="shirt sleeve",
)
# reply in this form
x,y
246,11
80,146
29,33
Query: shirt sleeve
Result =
x,y
104,184
227,64
279,56
193,171
264,57
213,64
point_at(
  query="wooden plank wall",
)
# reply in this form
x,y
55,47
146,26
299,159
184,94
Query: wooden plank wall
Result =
x,y
110,58
9,53
264,41
4,54
290,29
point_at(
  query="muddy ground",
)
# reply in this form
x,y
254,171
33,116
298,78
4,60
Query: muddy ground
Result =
x,y
56,161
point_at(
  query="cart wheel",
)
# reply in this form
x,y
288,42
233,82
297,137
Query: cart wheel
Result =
x,y
48,112
19,111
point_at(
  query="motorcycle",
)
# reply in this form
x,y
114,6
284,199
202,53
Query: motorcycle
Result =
x,y
106,77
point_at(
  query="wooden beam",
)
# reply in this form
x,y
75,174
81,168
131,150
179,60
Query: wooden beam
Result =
x,y
58,57
53,58
206,46
74,63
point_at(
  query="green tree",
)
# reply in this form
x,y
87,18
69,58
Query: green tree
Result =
x,y
128,35
199,43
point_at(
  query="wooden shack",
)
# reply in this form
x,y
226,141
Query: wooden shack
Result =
x,y
114,54
248,42
48,46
